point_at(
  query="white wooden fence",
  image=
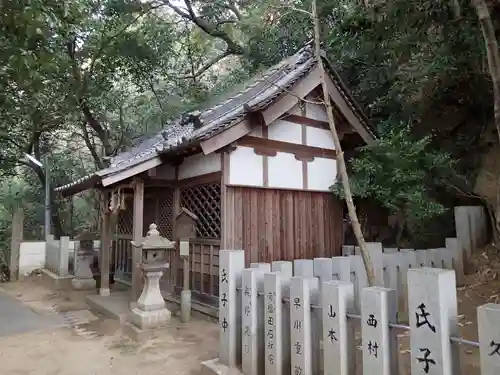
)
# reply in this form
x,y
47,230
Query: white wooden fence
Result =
x,y
61,255
280,318
57,255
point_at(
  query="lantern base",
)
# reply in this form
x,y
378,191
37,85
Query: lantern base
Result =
x,y
83,284
150,319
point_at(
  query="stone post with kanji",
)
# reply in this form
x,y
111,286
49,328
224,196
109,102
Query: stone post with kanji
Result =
x,y
432,309
488,324
151,311
231,266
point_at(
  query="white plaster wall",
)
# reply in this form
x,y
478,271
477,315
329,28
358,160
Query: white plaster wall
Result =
x,y
245,167
285,171
31,256
316,112
316,137
285,131
199,164
321,174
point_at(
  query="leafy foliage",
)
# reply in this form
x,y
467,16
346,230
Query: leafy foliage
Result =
x,y
85,79
402,174
410,58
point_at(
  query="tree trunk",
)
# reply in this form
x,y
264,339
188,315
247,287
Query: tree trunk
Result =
x,y
340,155
54,207
96,125
493,55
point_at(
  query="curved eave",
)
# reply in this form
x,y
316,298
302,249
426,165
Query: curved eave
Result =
x,y
82,184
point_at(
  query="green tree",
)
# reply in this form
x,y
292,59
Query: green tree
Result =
x,y
402,173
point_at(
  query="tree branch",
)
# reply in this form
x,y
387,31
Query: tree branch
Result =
x,y
232,47
91,146
292,8
232,7
207,66
105,43
224,22
95,124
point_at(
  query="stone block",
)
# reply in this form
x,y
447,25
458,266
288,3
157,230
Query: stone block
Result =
x,y
337,300
488,319
150,319
432,307
380,351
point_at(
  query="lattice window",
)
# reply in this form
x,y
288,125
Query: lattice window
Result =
x,y
165,212
126,218
150,213
204,202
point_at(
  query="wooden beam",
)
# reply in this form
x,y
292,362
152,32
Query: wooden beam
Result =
x,y
262,151
290,148
199,180
175,211
132,171
343,128
159,183
138,230
303,129
341,125
223,192
346,110
104,253
226,137
152,172
265,160
300,90
302,120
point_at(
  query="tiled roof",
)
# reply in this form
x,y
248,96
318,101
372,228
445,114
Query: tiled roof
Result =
x,y
257,94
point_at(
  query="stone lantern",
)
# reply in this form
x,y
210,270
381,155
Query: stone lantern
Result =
x,y
83,258
151,311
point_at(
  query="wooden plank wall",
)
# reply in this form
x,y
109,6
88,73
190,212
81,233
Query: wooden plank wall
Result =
x,y
273,224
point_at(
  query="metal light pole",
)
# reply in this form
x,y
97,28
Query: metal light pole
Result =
x,y
48,225
47,190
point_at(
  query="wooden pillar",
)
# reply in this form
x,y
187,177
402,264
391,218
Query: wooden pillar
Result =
x,y
223,188
104,253
138,228
175,260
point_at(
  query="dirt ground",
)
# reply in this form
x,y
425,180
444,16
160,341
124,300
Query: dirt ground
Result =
x,y
98,345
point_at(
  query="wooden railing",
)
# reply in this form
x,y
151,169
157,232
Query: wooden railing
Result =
x,y
122,258
203,270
